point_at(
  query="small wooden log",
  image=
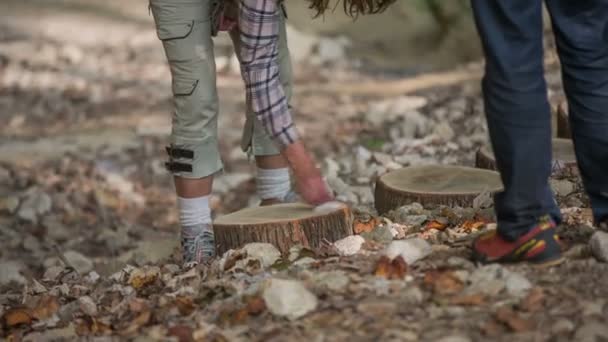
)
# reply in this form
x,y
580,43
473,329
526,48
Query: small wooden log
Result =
x,y
434,185
283,225
563,121
564,159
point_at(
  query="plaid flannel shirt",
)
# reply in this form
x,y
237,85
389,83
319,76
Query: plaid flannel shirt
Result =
x,y
259,36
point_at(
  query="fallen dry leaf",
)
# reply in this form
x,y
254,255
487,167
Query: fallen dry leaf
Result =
x,y
534,301
256,306
138,305
47,307
365,226
512,320
143,276
471,225
443,282
391,269
92,326
17,316
435,225
185,305
492,328
182,332
470,300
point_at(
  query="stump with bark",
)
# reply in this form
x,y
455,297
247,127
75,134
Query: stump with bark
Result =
x,y
432,185
563,121
283,225
564,159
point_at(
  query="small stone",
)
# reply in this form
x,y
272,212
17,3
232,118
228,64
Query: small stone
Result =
x,y
414,220
412,295
562,187
562,326
516,284
52,273
31,244
81,263
593,308
266,253
599,246
458,262
411,250
444,131
332,280
407,210
11,272
288,298
55,229
92,277
35,204
492,279
350,245
87,305
381,234
591,332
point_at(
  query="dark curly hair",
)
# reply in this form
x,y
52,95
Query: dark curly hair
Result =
x,y
353,8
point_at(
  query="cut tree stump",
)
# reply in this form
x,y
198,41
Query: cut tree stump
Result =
x,y
563,122
434,185
564,159
283,225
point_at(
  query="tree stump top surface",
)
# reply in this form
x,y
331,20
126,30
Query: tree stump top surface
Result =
x,y
442,179
563,150
271,214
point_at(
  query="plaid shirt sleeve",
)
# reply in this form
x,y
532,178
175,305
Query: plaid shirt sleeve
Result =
x,y
259,36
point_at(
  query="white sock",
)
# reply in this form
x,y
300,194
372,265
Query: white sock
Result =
x,y
194,212
273,183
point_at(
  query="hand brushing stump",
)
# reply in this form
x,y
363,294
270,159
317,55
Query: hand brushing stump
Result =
x,y
563,121
434,185
283,225
564,159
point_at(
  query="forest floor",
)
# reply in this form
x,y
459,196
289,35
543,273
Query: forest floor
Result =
x,y
89,226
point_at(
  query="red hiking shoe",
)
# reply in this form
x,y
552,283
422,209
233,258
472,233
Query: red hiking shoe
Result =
x,y
540,246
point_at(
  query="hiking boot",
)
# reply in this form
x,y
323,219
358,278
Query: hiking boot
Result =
x,y
198,244
539,246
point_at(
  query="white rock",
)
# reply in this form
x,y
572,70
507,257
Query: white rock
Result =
x,y
288,298
599,246
87,305
266,253
410,250
350,245
81,263
333,280
492,279
390,109
10,271
562,326
516,284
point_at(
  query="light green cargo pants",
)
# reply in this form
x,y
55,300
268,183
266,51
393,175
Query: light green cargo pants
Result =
x,y
185,29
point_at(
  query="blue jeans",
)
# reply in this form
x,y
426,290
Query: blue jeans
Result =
x,y
518,111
